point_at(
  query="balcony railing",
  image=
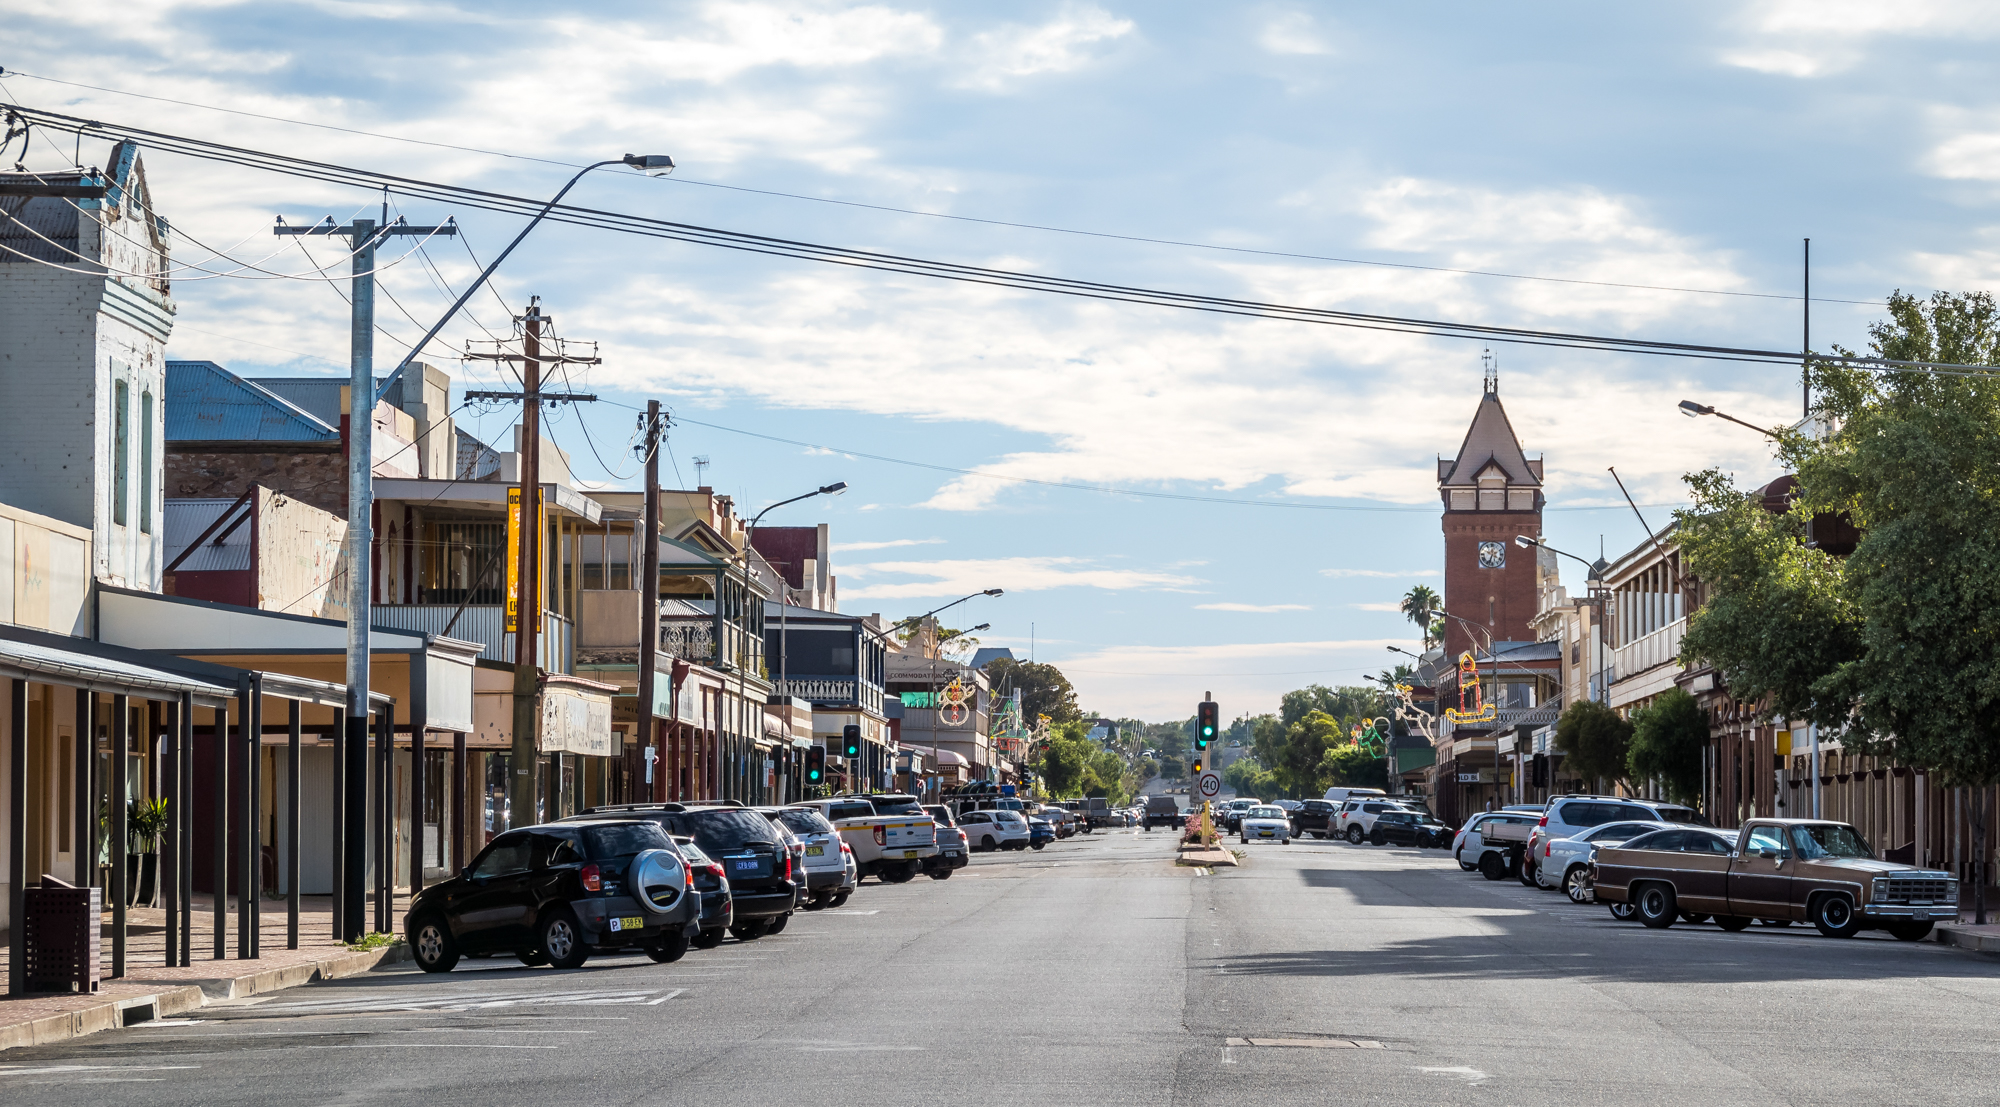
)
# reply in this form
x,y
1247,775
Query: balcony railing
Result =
x,y
692,638
481,623
831,691
1658,648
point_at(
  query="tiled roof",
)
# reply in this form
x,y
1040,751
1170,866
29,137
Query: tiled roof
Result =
x,y
1489,438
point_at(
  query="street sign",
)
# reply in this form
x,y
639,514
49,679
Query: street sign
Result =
x,y
1209,784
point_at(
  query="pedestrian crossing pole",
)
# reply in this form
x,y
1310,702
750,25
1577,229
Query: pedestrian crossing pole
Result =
x,y
363,236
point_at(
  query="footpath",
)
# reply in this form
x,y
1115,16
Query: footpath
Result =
x,y
150,990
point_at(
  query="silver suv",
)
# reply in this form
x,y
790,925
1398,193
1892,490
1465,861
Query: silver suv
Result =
x,y
1569,816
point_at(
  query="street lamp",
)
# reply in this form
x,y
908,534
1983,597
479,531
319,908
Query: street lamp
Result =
x,y
1596,567
364,394
784,589
1693,410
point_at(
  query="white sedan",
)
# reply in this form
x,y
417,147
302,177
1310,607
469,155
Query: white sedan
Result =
x,y
990,830
1567,860
1266,823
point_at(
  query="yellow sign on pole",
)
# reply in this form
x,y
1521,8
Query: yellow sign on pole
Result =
x,y
514,560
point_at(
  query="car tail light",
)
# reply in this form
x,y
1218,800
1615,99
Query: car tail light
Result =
x,y
881,836
845,848
1544,822
689,870
715,870
1549,850
593,881
788,868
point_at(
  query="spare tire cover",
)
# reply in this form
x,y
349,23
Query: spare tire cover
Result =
x,y
658,879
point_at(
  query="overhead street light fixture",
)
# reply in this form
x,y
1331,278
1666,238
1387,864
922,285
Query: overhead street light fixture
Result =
x,y
1596,568
1694,410
652,165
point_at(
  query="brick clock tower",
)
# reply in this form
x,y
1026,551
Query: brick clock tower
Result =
x,y
1491,491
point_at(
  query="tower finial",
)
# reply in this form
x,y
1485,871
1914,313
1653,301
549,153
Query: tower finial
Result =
x,y
1491,361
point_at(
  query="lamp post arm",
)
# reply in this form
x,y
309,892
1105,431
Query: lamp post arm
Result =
x,y
393,377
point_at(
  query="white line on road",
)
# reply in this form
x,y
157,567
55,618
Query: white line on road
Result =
x,y
664,998
9,1070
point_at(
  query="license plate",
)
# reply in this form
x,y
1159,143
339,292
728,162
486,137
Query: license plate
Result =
x,y
632,923
749,865
951,853
1265,833
815,851
909,853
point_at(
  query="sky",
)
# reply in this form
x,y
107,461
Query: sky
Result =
x,y
1639,172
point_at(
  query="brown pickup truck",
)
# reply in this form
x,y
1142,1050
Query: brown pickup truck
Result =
x,y
1784,870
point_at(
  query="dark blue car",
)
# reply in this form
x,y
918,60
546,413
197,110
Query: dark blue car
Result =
x,y
1040,833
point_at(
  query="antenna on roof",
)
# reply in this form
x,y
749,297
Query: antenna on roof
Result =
x,y
1491,362
700,463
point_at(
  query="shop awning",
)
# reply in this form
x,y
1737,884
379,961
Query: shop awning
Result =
x,y
84,665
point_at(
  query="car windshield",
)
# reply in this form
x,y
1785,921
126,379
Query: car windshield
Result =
x,y
727,829
1267,812
798,820
941,814
624,839
1817,840
849,811
897,805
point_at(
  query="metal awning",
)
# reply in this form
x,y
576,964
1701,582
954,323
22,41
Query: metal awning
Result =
x,y
82,666
325,693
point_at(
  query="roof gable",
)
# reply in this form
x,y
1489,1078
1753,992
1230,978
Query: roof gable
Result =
x,y
1489,440
207,403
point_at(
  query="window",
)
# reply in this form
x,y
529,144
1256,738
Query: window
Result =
x,y
507,854
553,849
1767,838
623,839
1659,839
146,462
1707,843
121,449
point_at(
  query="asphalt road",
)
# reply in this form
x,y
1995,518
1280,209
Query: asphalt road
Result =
x,y
1095,972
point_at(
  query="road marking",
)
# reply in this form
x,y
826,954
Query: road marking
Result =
x,y
839,911
1305,1043
460,1002
431,1045
664,998
465,1030
10,1070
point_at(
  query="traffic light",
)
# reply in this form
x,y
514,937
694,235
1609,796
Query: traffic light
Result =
x,y
815,764
1206,716
850,741
1197,766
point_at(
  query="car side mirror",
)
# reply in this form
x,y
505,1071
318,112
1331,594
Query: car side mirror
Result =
x,y
1769,853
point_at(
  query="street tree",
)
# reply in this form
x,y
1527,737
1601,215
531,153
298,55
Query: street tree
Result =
x,y
1421,606
1594,741
1044,689
1668,740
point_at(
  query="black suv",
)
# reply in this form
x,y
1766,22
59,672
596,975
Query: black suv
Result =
x,y
1314,817
555,893
755,857
1410,828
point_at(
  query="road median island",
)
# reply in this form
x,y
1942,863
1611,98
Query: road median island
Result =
x,y
1193,853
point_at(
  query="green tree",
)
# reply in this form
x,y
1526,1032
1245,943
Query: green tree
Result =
x,y
1354,767
1242,774
1044,689
1421,605
1668,740
1594,740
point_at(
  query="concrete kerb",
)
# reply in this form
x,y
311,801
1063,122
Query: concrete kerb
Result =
x,y
176,997
1977,939
1194,854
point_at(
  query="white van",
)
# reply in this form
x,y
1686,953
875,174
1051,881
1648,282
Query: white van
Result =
x,y
1342,795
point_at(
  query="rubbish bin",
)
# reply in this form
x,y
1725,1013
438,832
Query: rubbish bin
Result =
x,y
64,929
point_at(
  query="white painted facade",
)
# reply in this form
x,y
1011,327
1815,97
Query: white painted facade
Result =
x,y
83,335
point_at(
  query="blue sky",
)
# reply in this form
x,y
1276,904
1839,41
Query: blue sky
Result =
x,y
1689,147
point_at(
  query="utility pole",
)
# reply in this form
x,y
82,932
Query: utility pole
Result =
x,y
362,236
524,786
649,607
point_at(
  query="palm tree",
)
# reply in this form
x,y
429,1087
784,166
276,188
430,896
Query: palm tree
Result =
x,y
1421,605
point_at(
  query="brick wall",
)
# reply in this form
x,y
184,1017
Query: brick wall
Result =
x,y
1506,596
316,477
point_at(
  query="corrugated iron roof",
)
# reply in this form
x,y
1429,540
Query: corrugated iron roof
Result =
x,y
182,523
207,403
42,227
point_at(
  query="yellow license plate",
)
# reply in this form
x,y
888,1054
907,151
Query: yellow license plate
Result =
x,y
909,853
815,851
632,923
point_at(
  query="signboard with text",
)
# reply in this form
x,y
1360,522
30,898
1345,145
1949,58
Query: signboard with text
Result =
x,y
1209,784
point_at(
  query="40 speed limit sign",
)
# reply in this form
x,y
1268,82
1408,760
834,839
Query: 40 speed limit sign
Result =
x,y
1209,784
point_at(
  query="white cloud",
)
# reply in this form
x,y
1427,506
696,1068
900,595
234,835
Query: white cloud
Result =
x,y
1380,573
1292,33
1063,44
1818,38
1015,574
1257,608
851,547
1382,606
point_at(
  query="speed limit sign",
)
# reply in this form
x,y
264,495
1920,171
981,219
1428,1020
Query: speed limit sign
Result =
x,y
1209,783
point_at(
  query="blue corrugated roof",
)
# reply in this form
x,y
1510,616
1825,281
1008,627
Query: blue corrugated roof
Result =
x,y
207,403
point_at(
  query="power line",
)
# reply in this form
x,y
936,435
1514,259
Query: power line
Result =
x,y
973,219
951,271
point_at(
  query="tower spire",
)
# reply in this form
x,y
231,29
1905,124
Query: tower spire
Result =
x,y
1491,362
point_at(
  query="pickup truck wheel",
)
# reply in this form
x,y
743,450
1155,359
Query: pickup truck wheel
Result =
x,y
1733,923
839,899
818,902
1655,903
1353,835
1623,912
1576,884
1492,866
941,874
1912,931
1376,837
1834,915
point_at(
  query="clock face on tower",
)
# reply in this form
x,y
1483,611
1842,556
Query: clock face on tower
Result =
x,y
1492,555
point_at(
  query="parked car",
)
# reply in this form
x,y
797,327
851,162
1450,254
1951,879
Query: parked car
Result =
x,y
795,848
1314,817
1340,796
1469,847
712,886
1568,816
1230,815
953,853
1565,862
1265,823
1040,832
1409,828
1790,870
1162,811
990,830
890,833
557,893
820,860
753,854
1357,817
